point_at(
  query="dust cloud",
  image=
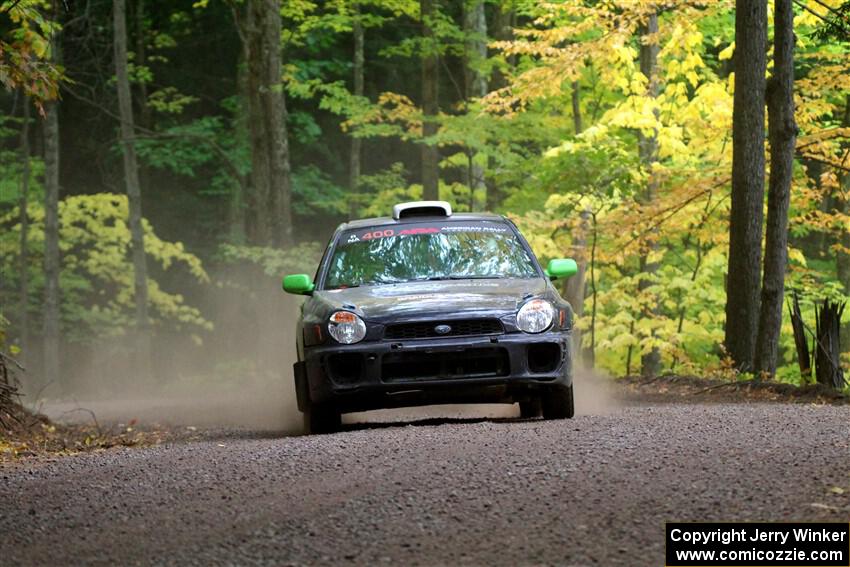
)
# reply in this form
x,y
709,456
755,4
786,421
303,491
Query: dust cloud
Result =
x,y
268,403
594,395
237,375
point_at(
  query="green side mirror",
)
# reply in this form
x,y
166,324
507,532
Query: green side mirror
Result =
x,y
561,268
300,284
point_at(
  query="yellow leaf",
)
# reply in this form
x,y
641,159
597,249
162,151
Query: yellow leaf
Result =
x,y
797,255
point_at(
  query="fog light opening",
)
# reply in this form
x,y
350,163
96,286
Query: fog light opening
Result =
x,y
346,368
543,357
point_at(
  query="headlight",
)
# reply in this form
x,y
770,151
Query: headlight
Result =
x,y
535,316
346,327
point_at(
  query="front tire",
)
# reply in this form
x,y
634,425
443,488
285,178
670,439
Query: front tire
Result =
x,y
558,403
319,419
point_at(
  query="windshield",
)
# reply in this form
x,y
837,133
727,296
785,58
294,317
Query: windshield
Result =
x,y
428,251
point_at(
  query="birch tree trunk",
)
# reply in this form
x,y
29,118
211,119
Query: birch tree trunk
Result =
x,y
430,104
746,215
782,130
134,191
648,148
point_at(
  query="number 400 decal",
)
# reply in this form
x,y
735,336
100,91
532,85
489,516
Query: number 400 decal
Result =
x,y
378,234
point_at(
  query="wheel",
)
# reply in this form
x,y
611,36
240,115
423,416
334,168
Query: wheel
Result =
x,y
321,419
558,404
529,408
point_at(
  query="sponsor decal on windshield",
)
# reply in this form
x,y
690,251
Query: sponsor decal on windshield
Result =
x,y
458,228
360,235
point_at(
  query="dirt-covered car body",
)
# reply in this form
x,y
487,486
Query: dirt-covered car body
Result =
x,y
445,332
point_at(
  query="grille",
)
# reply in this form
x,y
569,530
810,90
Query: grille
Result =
x,y
426,329
469,363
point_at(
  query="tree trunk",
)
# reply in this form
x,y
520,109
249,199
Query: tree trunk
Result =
x,y
804,359
269,217
23,206
430,104
51,241
828,370
278,138
356,142
236,219
590,354
783,135
257,218
502,30
504,21
145,116
134,191
648,148
574,289
576,102
746,214
843,206
475,28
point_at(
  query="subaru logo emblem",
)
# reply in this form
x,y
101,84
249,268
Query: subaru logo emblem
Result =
x,y
442,329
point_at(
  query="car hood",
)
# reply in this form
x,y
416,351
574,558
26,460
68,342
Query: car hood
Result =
x,y
420,299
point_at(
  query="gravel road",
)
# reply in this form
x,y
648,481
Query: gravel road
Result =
x,y
595,490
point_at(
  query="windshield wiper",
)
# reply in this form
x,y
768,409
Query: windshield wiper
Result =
x,y
432,279
428,279
446,278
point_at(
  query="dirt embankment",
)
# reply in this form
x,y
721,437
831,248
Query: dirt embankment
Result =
x,y
693,389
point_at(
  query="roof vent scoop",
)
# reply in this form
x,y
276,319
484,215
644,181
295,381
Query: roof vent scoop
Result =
x,y
422,209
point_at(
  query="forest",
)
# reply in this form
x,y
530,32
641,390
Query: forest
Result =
x,y
164,164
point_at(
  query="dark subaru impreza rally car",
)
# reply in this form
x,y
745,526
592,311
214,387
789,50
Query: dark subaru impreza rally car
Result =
x,y
428,307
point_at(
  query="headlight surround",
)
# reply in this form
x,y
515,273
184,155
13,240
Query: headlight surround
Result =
x,y
535,316
346,327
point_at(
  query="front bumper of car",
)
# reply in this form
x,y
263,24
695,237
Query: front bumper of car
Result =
x,y
383,374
